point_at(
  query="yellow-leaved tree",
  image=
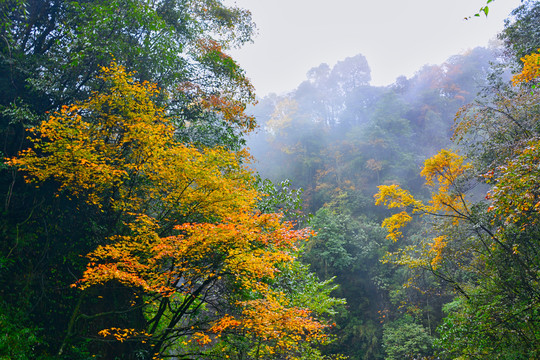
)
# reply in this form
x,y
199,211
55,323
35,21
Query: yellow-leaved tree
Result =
x,y
530,71
442,173
185,255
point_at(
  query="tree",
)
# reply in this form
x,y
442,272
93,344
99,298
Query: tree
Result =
x,y
52,51
487,250
350,73
51,54
406,340
531,69
521,32
185,255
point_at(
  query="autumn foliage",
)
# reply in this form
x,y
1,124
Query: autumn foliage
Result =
x,y
442,173
479,226
188,241
530,71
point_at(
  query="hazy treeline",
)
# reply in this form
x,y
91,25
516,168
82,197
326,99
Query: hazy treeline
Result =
x,y
337,134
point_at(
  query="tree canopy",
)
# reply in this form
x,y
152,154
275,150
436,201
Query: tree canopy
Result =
x,y
133,227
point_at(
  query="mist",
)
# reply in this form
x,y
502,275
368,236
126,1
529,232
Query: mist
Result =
x,y
337,133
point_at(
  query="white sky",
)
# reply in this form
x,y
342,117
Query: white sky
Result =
x,y
396,36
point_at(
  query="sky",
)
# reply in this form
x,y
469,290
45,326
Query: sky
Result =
x,y
396,36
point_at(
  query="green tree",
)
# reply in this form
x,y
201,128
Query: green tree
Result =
x,y
349,249
521,31
404,339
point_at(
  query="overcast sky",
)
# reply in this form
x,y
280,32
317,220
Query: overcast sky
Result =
x,y
396,36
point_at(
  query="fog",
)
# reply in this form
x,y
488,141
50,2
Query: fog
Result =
x,y
335,132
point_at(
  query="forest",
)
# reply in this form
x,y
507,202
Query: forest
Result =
x,y
153,207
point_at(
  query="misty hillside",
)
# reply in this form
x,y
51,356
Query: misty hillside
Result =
x,y
337,134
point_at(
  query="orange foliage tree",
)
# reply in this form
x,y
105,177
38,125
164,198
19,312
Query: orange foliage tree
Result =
x,y
187,256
